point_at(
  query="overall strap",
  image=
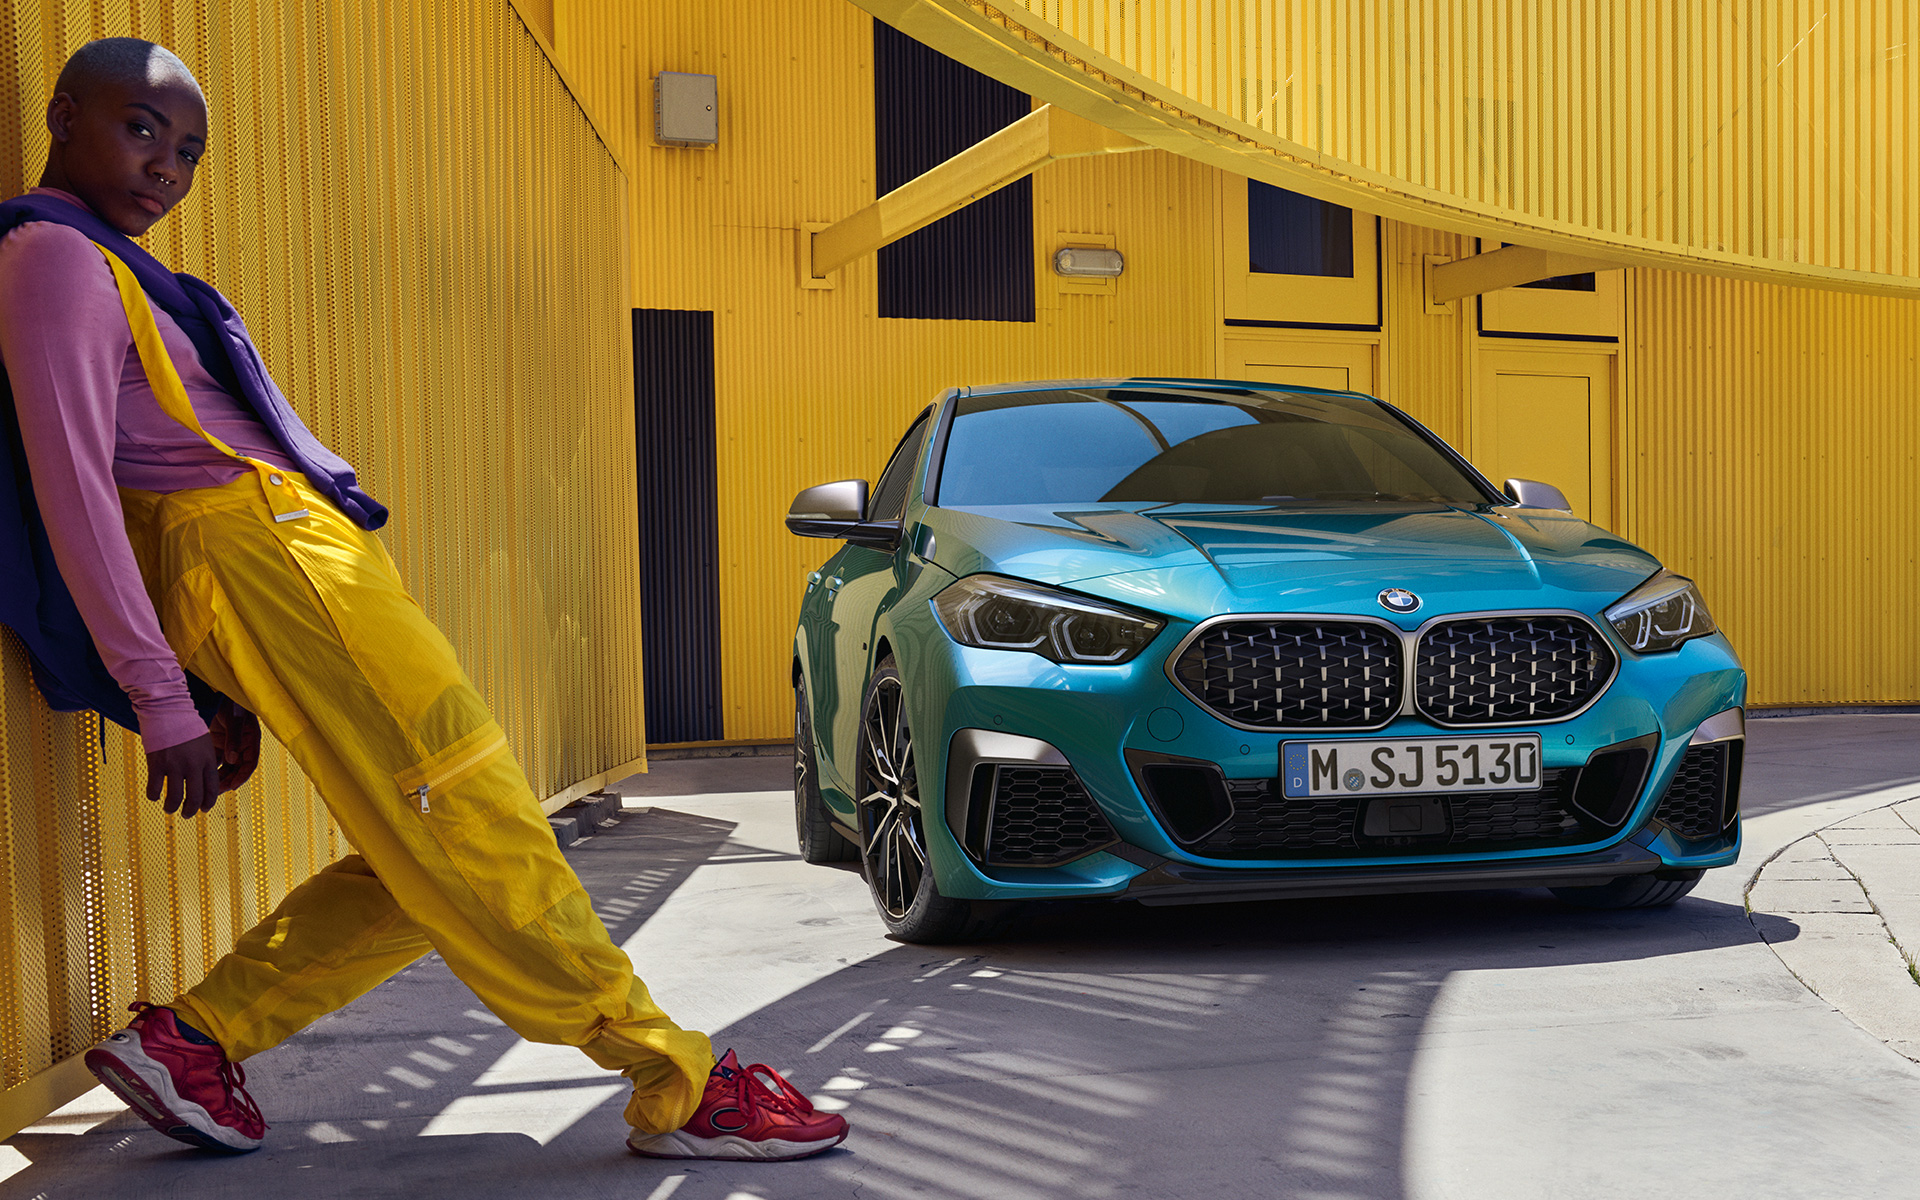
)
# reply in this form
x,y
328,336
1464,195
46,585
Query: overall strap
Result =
x,y
171,393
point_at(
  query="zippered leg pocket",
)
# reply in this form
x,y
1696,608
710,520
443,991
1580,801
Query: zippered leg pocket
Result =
x,y
475,802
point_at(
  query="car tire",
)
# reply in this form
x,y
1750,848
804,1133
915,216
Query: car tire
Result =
x,y
893,852
1658,890
820,840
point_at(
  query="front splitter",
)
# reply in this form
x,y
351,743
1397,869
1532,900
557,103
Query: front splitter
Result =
x,y
1185,883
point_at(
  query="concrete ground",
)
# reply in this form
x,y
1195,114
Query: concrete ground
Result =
x,y
1479,1046
1851,893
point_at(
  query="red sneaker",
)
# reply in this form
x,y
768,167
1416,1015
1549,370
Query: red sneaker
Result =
x,y
747,1112
179,1081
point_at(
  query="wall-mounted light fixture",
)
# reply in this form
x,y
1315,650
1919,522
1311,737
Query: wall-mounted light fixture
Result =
x,y
1088,262
686,109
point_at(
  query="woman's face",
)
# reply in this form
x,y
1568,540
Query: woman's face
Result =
x,y
129,149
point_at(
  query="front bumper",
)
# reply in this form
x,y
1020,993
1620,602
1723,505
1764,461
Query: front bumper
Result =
x,y
1186,883
1089,718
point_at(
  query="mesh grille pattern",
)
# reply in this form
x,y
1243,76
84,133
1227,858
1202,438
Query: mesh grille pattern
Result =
x,y
1544,816
1263,823
1266,824
1296,674
1693,803
1500,669
1041,816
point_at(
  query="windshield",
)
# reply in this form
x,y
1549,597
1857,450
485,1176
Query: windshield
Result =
x,y
1189,446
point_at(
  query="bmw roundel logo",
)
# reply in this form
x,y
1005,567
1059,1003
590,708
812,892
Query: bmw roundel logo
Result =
x,y
1399,600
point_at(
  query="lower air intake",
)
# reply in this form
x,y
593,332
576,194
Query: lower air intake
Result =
x,y
1042,817
1266,824
1704,797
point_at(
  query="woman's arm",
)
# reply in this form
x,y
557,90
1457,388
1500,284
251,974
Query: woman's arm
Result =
x,y
64,340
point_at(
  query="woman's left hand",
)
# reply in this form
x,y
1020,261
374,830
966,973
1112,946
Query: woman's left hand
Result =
x,y
236,737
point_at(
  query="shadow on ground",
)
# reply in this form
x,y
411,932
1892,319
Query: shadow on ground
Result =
x,y
709,776
350,1096
1795,761
1215,1046
1097,1050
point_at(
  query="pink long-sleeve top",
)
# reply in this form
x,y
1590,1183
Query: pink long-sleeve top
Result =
x,y
91,425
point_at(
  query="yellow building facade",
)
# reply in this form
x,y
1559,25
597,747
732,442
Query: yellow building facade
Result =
x,y
1745,194
445,225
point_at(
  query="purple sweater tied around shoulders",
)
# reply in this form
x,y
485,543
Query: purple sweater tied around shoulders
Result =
x,y
34,601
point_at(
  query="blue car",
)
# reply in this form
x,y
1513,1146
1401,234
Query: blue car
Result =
x,y
1179,641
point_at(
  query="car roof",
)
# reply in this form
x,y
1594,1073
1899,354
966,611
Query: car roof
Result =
x,y
1147,381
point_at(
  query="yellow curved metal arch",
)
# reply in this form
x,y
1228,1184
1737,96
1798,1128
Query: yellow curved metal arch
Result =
x,y
1773,142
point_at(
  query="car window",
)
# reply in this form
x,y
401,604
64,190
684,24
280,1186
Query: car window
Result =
x,y
1189,446
889,500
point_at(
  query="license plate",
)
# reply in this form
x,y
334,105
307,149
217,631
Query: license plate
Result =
x,y
1401,766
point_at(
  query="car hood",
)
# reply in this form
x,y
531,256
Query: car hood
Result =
x,y
1197,560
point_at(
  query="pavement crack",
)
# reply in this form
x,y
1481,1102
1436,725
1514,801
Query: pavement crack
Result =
x,y
857,1180
1839,991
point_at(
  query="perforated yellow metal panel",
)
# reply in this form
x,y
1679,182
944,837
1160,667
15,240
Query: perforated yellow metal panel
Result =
x,y
427,239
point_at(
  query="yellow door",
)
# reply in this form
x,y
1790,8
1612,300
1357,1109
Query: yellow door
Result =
x,y
1548,416
1341,366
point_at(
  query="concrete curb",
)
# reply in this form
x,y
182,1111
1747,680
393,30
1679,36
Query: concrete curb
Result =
x,y
581,818
1841,909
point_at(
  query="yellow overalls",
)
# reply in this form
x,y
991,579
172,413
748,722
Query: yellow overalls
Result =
x,y
269,593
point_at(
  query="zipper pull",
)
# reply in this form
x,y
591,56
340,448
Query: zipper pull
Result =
x,y
421,792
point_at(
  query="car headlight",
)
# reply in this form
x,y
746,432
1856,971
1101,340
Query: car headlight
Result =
x,y
1660,614
992,613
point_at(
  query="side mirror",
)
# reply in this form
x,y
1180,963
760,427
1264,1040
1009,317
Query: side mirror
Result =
x,y
1531,493
836,510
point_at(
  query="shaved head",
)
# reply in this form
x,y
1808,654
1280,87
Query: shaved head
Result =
x,y
129,128
121,60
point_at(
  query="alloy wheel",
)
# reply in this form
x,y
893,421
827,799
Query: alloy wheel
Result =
x,y
895,850
802,762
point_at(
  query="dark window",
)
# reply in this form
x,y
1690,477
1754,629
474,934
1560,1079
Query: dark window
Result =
x,y
1559,283
889,500
976,264
679,524
1564,283
1291,234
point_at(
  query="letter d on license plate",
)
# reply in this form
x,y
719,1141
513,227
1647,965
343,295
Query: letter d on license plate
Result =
x,y
1401,766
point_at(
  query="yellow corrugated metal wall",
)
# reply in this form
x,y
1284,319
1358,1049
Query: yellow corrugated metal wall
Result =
x,y
1771,450
811,385
1751,134
425,235
1766,444
1426,355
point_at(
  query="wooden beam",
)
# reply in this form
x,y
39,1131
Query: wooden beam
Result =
x,y
1506,267
1045,135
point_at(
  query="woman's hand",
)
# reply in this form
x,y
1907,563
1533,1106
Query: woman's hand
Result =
x,y
192,775
236,738
188,774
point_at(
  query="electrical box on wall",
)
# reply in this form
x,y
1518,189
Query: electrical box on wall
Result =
x,y
686,109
